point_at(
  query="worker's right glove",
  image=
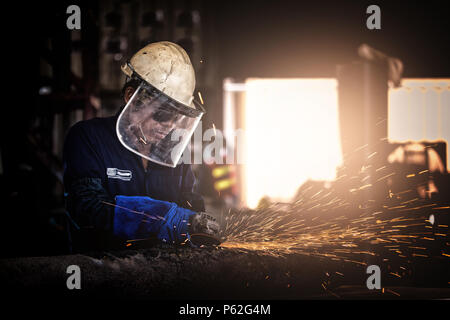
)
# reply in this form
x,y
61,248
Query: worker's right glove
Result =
x,y
138,217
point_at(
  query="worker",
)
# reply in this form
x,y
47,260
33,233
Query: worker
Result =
x,y
121,174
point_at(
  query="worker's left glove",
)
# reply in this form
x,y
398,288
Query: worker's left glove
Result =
x,y
138,217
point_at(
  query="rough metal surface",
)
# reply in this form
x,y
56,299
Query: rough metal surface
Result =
x,y
206,273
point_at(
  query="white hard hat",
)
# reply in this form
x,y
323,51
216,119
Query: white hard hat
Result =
x,y
167,67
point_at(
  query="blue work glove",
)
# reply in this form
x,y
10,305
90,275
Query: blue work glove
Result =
x,y
138,217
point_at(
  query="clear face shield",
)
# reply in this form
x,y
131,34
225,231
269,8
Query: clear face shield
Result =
x,y
155,126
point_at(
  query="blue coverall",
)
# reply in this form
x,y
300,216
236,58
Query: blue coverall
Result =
x,y
100,172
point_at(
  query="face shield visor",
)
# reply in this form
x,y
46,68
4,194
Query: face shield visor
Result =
x,y
155,126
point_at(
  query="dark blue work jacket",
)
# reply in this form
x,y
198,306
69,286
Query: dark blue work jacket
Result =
x,y
97,167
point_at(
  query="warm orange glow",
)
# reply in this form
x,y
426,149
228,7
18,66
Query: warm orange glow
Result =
x,y
292,135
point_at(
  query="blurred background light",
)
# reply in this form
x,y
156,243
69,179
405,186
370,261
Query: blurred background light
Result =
x,y
292,135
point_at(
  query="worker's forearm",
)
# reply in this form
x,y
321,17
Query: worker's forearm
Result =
x,y
87,203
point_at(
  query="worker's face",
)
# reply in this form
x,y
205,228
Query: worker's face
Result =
x,y
155,126
149,124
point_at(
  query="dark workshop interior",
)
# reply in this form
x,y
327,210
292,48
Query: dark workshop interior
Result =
x,y
345,156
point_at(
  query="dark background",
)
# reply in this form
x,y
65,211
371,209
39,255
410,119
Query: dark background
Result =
x,y
282,38
308,38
